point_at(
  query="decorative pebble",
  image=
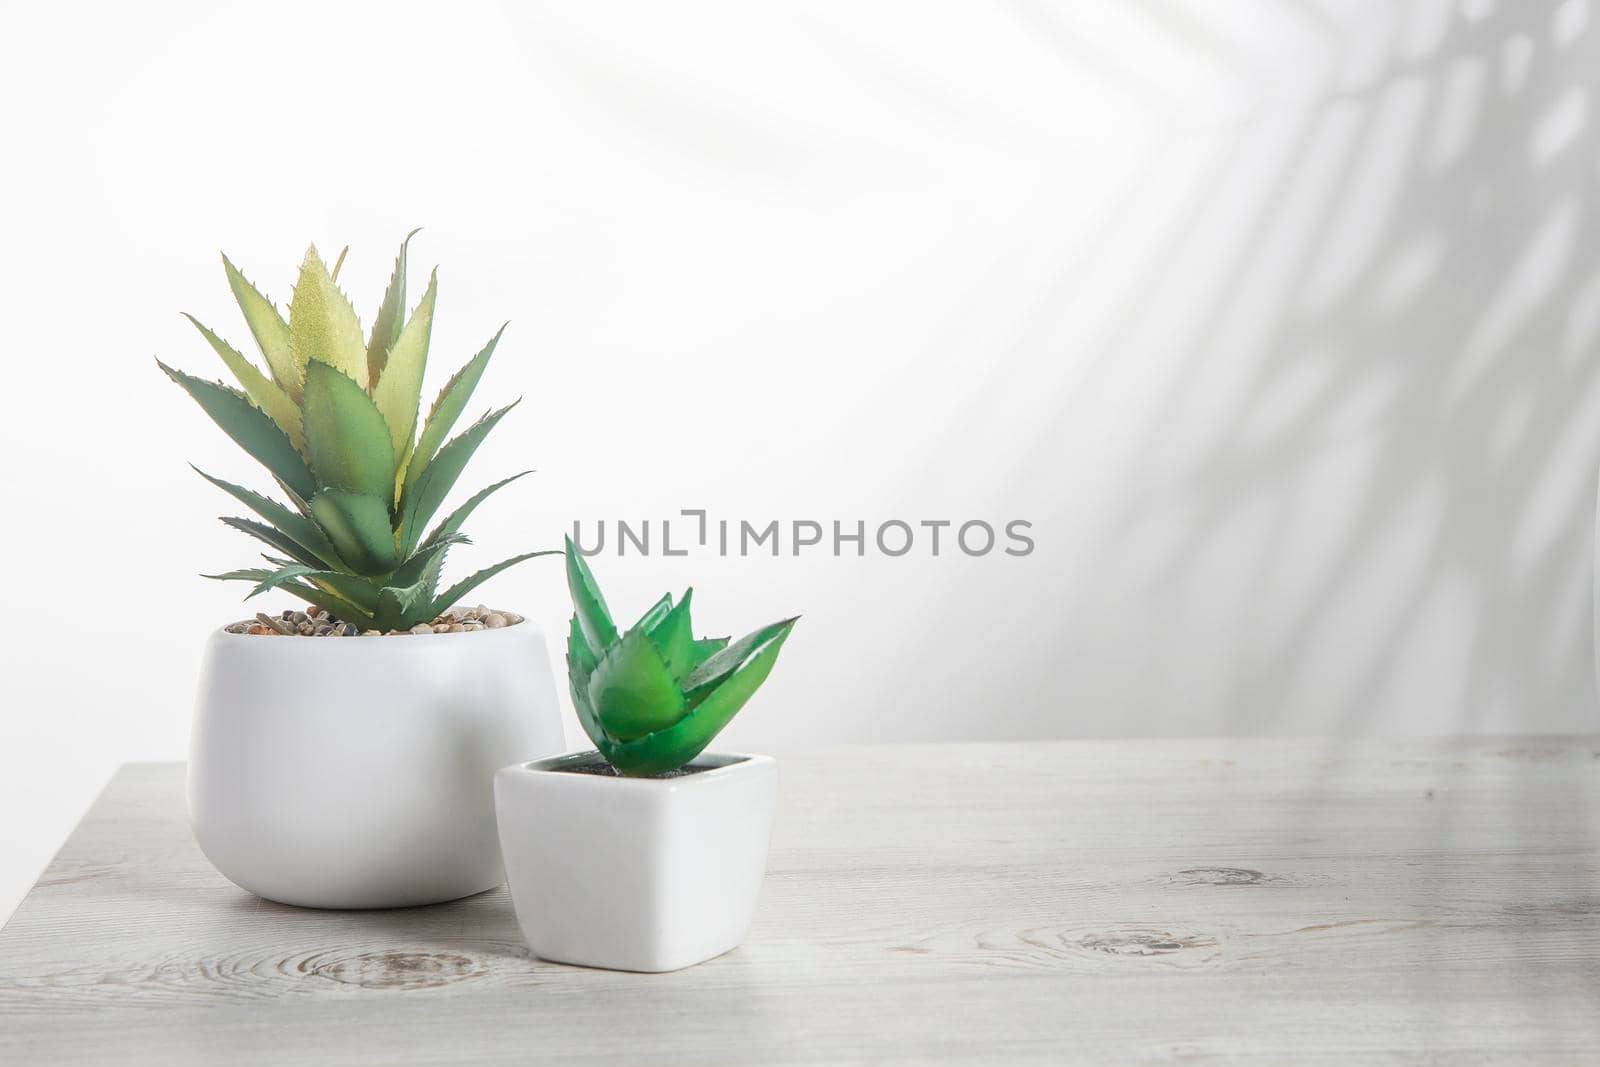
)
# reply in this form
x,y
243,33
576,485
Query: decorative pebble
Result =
x,y
277,626
317,622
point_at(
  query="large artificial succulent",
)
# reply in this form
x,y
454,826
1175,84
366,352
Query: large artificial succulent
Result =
x,y
335,421
651,699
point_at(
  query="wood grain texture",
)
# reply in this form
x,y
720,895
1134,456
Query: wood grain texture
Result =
x,y
1422,901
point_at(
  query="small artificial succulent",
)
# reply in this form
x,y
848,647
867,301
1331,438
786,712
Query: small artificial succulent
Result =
x,y
651,699
335,421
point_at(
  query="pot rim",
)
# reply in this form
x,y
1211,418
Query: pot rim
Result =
x,y
738,763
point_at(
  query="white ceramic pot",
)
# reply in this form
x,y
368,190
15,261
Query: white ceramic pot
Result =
x,y
636,874
357,772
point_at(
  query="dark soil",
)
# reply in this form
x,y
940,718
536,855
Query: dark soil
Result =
x,y
603,769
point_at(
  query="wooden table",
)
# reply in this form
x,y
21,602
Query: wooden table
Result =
x,y
1276,901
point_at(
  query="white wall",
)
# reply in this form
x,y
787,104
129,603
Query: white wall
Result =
x,y
1276,319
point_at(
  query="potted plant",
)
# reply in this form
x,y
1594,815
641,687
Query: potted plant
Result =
x,y
646,854
342,756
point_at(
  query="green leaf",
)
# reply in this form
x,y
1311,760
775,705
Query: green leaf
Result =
x,y
630,690
586,716
247,574
453,521
331,603
249,427
359,591
403,608
412,569
451,402
268,328
657,612
431,572
323,327
581,659
436,482
673,639
276,538
262,391
593,615
358,526
278,577
398,389
391,314
678,744
702,649
456,592
720,665
297,527
339,262
345,435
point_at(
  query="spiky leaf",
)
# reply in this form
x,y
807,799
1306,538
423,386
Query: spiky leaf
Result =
x,y
245,574
268,328
402,608
391,314
685,739
398,392
586,716
358,526
346,437
447,408
436,482
466,585
249,427
323,326
278,577
413,569
262,391
657,612
703,648
270,536
593,615
581,659
720,665
453,521
293,525
630,690
673,639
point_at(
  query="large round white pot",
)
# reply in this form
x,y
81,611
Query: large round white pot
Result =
x,y
358,772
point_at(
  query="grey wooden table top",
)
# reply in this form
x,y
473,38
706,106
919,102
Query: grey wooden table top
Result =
x,y
1277,901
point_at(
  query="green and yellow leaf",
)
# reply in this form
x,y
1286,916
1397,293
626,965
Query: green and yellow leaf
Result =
x,y
263,392
391,315
447,408
398,392
323,327
268,328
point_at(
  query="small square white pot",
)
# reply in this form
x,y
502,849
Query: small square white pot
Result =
x,y
635,874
